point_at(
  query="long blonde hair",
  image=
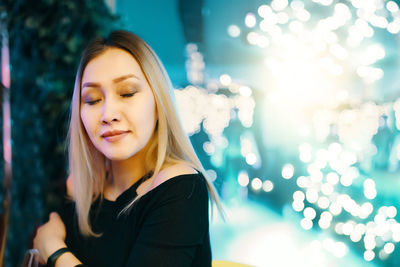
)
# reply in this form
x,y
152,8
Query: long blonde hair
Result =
x,y
169,145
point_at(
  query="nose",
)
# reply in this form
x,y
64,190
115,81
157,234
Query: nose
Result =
x,y
110,112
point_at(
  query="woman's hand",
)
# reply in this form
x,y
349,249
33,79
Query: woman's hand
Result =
x,y
50,237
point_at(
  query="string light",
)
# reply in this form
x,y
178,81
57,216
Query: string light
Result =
x,y
243,179
320,50
287,171
256,184
234,30
268,186
250,20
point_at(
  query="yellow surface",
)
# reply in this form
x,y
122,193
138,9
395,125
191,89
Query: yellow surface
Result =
x,y
228,264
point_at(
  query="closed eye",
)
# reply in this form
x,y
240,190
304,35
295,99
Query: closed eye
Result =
x,y
128,95
92,102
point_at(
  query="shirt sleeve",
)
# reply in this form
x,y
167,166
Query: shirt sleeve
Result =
x,y
174,227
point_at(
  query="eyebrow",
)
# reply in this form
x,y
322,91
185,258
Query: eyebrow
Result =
x,y
116,80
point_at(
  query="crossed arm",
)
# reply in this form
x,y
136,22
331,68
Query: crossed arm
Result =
x,y
49,238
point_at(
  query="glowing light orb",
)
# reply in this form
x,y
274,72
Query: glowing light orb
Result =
x,y
389,248
268,186
233,30
309,213
306,224
299,196
225,79
256,184
250,20
243,179
287,171
369,255
298,205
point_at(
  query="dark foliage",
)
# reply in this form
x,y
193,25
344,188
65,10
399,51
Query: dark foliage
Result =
x,y
46,38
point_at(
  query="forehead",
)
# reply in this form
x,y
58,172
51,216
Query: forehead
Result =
x,y
110,64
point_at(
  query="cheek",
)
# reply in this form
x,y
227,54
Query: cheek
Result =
x,y
83,119
153,109
155,114
145,114
87,122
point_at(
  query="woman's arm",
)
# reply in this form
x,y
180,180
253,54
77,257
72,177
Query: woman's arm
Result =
x,y
50,238
67,260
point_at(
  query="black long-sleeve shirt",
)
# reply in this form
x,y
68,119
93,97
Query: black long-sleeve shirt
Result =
x,y
168,226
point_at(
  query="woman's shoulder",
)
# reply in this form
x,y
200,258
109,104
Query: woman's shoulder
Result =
x,y
172,172
180,173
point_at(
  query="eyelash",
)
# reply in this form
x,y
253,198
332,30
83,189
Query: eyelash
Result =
x,y
128,95
93,102
123,95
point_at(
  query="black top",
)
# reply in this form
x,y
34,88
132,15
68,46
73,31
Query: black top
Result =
x,y
168,226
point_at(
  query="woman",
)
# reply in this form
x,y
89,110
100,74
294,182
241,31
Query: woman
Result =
x,y
138,195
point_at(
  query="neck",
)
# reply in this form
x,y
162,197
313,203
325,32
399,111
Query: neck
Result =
x,y
126,172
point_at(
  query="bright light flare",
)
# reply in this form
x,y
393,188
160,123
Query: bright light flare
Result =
x,y
306,224
264,11
225,79
250,20
309,213
287,171
389,248
392,6
299,196
233,30
256,184
243,179
268,186
279,5
298,205
369,255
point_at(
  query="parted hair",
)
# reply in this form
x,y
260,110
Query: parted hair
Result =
x,y
169,144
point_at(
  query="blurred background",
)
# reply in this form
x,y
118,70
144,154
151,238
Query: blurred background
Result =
x,y
292,105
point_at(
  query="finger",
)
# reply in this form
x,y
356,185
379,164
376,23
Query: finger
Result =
x,y
42,261
53,214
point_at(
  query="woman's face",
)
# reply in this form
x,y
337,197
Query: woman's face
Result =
x,y
117,104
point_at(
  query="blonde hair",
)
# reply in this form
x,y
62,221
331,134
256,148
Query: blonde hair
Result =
x,y
170,144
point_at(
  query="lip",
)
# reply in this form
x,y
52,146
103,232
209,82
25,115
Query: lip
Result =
x,y
113,136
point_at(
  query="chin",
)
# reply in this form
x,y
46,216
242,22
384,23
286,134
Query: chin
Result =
x,y
119,155
116,157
